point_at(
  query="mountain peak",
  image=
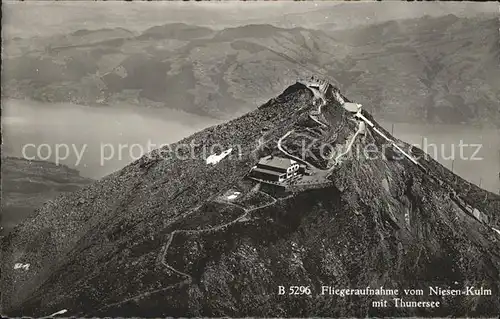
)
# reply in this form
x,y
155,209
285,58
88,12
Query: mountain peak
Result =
x,y
307,189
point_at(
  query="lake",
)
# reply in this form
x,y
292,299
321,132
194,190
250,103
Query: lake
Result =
x,y
97,140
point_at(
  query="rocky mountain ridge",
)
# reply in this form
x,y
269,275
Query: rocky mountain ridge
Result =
x,y
447,64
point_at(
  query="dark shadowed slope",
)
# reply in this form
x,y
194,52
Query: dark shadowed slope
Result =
x,y
163,236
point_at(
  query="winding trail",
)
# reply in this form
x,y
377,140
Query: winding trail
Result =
x,y
246,211
163,252
298,159
319,94
319,90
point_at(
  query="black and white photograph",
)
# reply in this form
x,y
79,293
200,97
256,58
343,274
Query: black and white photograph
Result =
x,y
263,159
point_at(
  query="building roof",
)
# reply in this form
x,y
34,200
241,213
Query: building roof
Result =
x,y
267,171
278,162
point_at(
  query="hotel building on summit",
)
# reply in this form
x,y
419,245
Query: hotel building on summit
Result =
x,y
275,169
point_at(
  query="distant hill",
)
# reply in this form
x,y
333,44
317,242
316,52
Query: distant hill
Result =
x,y
435,69
26,185
179,31
430,69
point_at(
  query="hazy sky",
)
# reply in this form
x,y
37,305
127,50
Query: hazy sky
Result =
x,y
26,19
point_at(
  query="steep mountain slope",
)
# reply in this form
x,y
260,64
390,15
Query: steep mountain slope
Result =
x,y
448,65
26,185
165,236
